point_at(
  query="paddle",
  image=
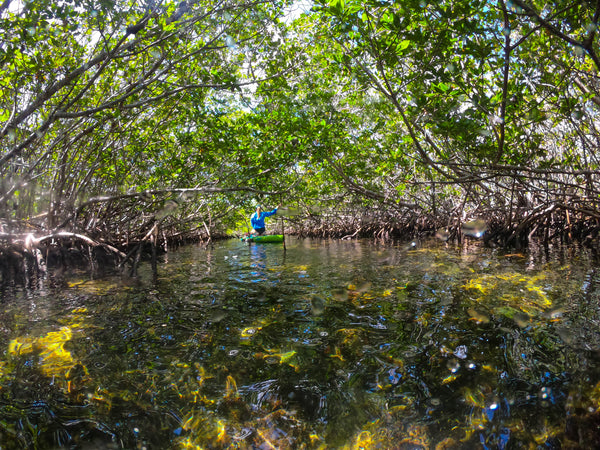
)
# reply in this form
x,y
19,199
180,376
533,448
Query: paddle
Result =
x,y
282,226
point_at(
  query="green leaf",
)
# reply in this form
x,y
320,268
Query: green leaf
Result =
x,y
403,45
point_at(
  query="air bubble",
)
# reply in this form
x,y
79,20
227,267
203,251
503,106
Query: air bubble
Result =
x,y
453,365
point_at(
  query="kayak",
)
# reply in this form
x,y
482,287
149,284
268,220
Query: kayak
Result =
x,y
264,238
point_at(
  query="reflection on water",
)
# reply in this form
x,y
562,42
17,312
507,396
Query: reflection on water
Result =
x,y
327,345
258,261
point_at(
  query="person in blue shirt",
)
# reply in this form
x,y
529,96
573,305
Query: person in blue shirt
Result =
x,y
257,220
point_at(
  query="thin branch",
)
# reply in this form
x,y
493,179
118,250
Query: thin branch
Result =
x,y
587,44
505,76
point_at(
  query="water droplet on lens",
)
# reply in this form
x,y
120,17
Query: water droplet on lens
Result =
x,y
474,228
341,294
230,42
442,234
363,287
317,304
478,316
217,315
521,319
565,334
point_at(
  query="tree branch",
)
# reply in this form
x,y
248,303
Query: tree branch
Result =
x,y
586,44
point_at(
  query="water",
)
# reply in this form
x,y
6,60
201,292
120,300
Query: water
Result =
x,y
327,345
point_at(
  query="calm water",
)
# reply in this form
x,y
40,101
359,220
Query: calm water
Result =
x,y
329,345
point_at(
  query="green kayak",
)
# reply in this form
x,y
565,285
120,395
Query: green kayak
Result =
x,y
264,238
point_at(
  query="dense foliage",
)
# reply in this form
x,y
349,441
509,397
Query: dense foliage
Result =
x,y
451,110
121,120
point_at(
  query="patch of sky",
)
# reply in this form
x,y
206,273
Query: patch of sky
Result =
x,y
296,9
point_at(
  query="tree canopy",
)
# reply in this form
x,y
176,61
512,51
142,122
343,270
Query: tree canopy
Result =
x,y
120,118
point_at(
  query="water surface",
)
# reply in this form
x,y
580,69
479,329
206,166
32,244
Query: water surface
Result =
x,y
329,344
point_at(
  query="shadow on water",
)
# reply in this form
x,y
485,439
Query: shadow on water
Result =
x,y
329,344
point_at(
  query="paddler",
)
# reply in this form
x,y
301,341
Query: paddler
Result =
x,y
257,220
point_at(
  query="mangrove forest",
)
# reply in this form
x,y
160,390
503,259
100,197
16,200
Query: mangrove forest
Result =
x,y
140,124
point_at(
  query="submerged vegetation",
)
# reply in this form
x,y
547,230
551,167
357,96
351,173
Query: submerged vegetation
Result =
x,y
331,344
167,121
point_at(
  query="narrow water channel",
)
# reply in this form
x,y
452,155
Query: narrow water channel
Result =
x,y
327,345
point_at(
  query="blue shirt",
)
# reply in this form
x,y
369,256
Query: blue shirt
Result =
x,y
259,222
